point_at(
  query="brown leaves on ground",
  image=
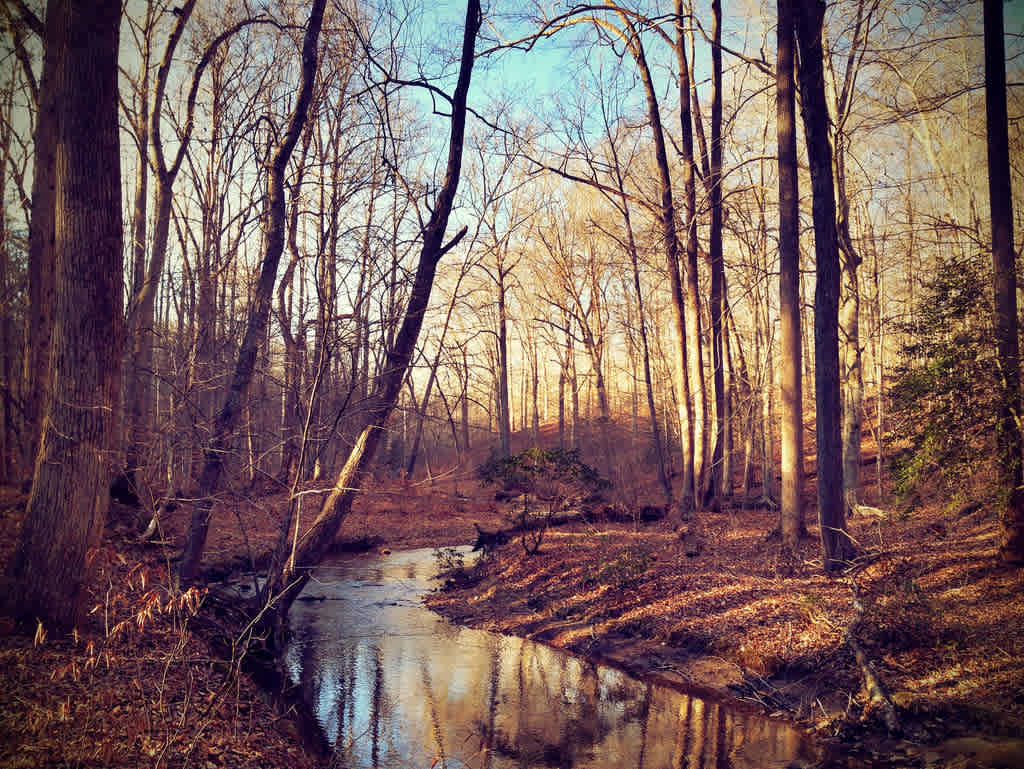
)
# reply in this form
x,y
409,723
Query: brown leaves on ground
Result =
x,y
722,608
137,687
944,622
133,687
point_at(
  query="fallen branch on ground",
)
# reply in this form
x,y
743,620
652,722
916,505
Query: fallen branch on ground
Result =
x,y
877,694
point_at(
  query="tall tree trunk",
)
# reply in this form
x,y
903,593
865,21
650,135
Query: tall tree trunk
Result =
x,y
696,426
836,544
138,389
715,255
6,337
289,575
671,245
850,369
728,401
66,509
259,309
504,417
1008,432
294,339
791,514
40,288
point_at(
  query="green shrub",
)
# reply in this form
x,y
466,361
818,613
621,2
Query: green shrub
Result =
x,y
545,478
943,402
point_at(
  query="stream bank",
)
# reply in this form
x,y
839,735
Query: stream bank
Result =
x,y
741,619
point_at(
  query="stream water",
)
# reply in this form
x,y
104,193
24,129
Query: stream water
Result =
x,y
395,685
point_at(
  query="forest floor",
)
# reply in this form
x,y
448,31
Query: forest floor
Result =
x,y
722,610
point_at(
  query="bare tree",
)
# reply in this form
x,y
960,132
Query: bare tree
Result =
x,y
791,514
716,258
836,543
259,310
290,568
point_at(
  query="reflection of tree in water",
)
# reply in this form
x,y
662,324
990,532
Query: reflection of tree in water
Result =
x,y
435,719
550,715
401,690
344,701
375,707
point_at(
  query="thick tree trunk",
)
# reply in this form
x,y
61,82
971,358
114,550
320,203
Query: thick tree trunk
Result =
x,y
836,543
70,490
1008,432
791,513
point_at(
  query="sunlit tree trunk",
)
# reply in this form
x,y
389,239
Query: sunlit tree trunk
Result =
x,y
670,237
694,454
66,509
791,521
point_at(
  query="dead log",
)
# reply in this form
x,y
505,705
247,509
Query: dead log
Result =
x,y
878,696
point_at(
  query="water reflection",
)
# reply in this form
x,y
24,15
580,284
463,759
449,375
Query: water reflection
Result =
x,y
395,685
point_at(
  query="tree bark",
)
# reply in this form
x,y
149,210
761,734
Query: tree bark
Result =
x,y
40,288
836,543
715,486
696,426
1008,432
791,513
70,489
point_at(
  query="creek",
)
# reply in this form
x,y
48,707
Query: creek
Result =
x,y
393,684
